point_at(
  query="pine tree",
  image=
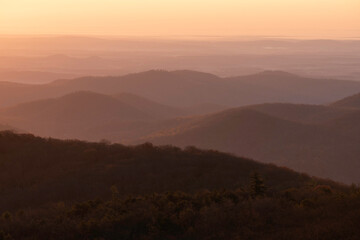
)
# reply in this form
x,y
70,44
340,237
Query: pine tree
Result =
x,y
257,186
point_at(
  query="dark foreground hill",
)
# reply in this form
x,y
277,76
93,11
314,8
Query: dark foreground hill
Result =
x,y
35,171
148,192
314,212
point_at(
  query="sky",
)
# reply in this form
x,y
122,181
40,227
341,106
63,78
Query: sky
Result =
x,y
299,18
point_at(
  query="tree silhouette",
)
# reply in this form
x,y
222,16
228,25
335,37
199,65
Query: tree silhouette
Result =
x,y
257,186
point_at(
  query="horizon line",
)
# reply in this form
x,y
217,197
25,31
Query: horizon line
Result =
x,y
170,37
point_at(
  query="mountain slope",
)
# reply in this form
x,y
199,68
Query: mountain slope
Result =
x,y
55,170
152,108
71,115
245,132
76,107
348,125
303,113
349,102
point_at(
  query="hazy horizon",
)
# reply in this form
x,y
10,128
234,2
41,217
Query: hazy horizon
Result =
x,y
316,19
185,37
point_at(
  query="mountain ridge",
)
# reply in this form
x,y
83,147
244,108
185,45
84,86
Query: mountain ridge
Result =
x,y
185,88
304,147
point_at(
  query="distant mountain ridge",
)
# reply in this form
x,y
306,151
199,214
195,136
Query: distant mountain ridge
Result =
x,y
33,77
189,88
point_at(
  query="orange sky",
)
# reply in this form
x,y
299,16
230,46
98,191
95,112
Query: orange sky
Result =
x,y
302,18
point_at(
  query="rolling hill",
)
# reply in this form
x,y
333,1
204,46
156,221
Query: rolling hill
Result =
x,y
72,115
69,171
163,111
152,108
312,148
92,116
349,102
349,123
303,113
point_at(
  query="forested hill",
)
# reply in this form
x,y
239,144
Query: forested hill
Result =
x,y
36,171
149,192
